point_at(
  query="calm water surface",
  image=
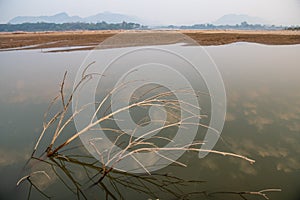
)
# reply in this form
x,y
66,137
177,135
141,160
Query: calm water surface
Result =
x,y
263,119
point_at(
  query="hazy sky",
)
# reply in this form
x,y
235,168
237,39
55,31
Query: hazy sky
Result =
x,y
160,11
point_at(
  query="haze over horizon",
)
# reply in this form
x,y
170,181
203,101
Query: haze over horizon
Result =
x,y
157,12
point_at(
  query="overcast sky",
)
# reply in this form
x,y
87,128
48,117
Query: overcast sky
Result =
x,y
160,11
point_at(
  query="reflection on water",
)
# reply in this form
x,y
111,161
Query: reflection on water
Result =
x,y
262,85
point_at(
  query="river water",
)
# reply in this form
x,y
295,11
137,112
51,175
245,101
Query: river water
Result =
x,y
262,122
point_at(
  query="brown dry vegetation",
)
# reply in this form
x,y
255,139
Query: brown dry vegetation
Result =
x,y
93,38
262,37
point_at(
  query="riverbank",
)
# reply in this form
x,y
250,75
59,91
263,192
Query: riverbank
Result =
x,y
89,39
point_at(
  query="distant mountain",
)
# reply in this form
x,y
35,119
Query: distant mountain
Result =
x,y
65,18
58,18
111,18
233,19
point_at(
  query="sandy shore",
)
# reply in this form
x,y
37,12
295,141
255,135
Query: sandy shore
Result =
x,y
89,39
